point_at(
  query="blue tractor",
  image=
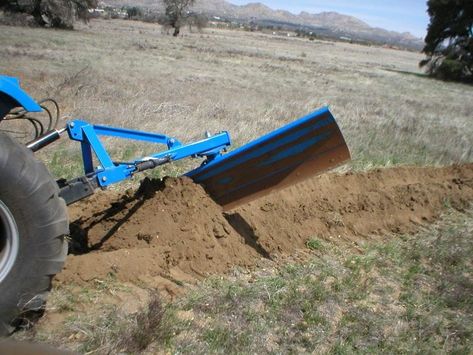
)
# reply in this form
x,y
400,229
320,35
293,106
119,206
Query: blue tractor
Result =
x,y
33,213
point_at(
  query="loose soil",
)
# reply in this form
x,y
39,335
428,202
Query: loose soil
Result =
x,y
169,233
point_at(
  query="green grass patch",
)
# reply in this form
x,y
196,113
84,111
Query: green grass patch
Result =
x,y
314,244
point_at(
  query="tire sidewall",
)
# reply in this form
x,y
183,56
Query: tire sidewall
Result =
x,y
31,195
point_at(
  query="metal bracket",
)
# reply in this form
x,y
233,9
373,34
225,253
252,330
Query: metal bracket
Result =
x,y
77,189
110,172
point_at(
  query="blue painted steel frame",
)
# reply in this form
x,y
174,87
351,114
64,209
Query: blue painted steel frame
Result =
x,y
110,172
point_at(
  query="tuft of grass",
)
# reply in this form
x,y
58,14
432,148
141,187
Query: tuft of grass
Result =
x,y
64,163
114,332
151,325
314,244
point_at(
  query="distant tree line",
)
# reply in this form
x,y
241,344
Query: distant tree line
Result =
x,y
63,13
449,40
52,13
171,18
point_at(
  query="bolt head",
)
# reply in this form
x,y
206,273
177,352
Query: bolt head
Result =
x,y
104,178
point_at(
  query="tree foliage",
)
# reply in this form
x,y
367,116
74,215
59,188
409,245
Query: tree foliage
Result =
x,y
176,11
52,13
134,12
449,41
198,21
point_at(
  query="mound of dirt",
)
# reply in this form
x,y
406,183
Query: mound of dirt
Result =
x,y
170,232
164,230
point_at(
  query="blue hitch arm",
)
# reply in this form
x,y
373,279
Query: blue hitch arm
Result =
x,y
110,172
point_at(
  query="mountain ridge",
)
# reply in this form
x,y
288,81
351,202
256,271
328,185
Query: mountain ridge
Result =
x,y
327,23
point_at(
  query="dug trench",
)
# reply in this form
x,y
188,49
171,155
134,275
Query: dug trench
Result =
x,y
169,233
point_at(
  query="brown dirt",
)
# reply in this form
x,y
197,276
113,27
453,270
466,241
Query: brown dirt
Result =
x,y
169,233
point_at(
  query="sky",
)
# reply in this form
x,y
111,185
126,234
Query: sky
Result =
x,y
396,15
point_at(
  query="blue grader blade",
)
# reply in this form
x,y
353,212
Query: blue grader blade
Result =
x,y
293,153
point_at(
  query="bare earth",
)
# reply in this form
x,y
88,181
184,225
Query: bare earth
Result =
x,y
164,235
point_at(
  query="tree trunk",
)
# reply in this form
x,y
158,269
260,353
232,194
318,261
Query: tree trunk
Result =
x,y
177,29
37,15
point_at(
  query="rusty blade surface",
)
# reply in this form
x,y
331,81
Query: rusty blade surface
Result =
x,y
293,153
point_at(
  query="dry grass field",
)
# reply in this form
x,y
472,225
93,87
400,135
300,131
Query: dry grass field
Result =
x,y
399,294
131,74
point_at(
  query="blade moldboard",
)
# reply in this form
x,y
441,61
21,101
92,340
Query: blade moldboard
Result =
x,y
293,153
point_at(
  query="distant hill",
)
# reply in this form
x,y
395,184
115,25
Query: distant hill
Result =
x,y
330,24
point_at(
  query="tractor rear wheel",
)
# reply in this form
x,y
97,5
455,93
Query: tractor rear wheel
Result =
x,y
33,225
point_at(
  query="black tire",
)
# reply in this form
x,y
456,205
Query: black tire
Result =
x,y
30,203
